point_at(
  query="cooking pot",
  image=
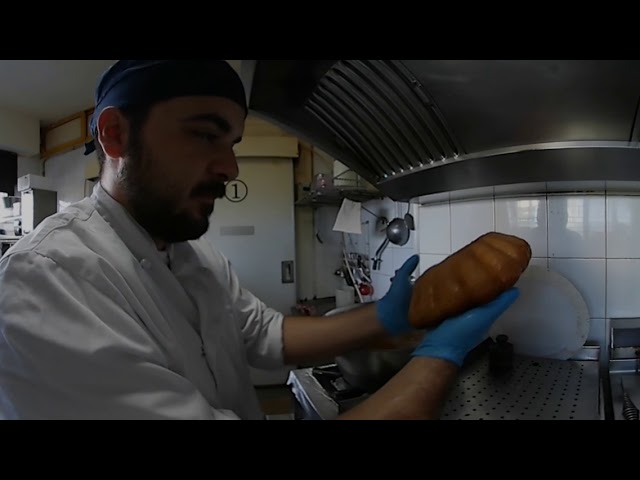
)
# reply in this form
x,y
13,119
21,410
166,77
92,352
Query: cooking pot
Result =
x,y
369,368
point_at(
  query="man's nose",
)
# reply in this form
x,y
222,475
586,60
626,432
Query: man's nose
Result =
x,y
225,165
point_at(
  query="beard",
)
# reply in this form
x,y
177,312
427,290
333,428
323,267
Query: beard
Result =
x,y
155,202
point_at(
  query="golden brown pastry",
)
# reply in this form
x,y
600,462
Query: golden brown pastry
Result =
x,y
468,278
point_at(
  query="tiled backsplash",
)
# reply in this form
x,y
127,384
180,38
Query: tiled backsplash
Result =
x,y
373,235
587,231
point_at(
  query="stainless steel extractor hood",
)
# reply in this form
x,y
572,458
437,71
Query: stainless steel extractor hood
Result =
x,y
415,127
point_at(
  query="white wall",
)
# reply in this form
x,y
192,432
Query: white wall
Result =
x,y
19,133
29,165
327,252
67,172
305,250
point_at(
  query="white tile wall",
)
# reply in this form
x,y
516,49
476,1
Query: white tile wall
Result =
x,y
435,229
393,256
587,231
623,282
623,227
469,220
525,218
327,253
29,165
577,226
539,262
588,275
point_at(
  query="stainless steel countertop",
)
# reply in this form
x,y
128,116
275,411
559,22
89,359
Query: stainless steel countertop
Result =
x,y
534,389
537,389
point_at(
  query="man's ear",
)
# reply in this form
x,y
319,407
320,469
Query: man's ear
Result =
x,y
112,132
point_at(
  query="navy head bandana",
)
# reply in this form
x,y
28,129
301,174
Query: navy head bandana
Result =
x,y
143,82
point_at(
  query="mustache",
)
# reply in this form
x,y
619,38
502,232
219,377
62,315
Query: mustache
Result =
x,y
217,189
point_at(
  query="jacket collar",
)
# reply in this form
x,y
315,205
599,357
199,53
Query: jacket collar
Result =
x,y
136,238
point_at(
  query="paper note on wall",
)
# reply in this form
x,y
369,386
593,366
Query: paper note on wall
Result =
x,y
348,219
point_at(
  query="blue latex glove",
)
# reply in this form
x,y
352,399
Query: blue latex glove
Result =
x,y
454,338
393,309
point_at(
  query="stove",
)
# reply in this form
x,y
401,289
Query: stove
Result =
x,y
322,393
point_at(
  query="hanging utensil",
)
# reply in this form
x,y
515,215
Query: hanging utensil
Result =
x,y
408,219
397,233
348,266
629,410
376,259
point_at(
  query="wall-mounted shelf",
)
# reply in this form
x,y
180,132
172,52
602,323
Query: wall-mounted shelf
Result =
x,y
335,196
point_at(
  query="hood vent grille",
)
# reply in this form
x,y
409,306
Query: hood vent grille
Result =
x,y
515,121
381,112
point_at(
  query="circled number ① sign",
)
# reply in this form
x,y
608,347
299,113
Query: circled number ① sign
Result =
x,y
236,191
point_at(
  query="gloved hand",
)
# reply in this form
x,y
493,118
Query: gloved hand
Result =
x,y
393,309
454,338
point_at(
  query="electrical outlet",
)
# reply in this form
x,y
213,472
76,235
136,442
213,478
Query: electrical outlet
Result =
x,y
287,271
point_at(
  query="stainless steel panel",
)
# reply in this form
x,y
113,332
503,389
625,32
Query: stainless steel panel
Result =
x,y
561,162
397,126
383,92
588,352
492,122
371,120
493,104
536,389
317,405
355,140
624,339
434,122
631,386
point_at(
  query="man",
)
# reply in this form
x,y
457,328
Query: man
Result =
x,y
117,308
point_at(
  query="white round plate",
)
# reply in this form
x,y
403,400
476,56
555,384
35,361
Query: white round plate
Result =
x,y
550,318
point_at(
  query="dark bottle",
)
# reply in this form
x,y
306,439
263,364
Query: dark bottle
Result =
x,y
501,355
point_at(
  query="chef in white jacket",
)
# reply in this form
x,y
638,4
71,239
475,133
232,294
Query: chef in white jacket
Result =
x,y
117,308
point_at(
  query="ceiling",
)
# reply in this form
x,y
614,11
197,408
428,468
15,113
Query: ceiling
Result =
x,y
52,89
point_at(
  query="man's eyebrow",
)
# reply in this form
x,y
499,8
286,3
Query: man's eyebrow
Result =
x,y
217,120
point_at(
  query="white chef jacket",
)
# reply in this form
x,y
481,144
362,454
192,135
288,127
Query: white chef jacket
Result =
x,y
94,324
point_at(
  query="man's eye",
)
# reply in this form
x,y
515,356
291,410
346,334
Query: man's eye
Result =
x,y
209,137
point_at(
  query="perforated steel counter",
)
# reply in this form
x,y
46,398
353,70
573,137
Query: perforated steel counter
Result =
x,y
534,389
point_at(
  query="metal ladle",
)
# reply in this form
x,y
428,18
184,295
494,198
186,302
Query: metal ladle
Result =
x,y
408,218
397,233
